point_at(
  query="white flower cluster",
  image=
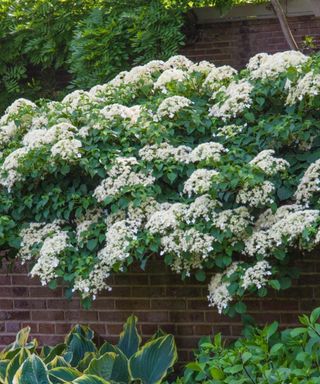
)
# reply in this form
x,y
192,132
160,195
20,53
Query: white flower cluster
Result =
x,y
91,217
169,76
171,105
257,196
290,228
309,184
110,112
67,149
219,295
120,176
195,245
210,151
8,127
237,221
164,152
166,218
257,275
268,218
308,85
199,182
236,98
264,66
204,67
178,61
218,76
9,171
48,259
269,164
202,208
39,137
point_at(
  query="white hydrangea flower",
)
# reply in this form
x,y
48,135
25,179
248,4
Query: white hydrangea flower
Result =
x,y
257,275
218,76
236,220
171,105
219,295
178,61
9,172
290,227
308,85
269,164
166,218
121,175
257,196
268,218
264,66
110,112
236,100
199,182
204,67
164,152
207,151
67,149
168,76
48,259
309,184
203,208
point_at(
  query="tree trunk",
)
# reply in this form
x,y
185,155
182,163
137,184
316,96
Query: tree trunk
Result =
x,y
284,25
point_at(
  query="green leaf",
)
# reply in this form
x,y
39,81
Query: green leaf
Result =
x,y
315,314
120,371
63,374
200,275
129,340
90,379
15,364
151,363
32,371
102,366
216,373
240,307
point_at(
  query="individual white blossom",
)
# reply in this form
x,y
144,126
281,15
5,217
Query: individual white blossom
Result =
x,y
257,275
236,98
256,196
269,164
120,176
210,151
309,184
200,181
171,105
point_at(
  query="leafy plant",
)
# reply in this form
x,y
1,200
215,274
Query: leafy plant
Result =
x,y
79,360
263,356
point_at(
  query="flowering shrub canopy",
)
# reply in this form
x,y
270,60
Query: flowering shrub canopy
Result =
x,y
212,169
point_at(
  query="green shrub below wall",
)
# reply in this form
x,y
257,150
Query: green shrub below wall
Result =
x,y
78,360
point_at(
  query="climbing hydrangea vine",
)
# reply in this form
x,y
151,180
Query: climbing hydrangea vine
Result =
x,y
215,171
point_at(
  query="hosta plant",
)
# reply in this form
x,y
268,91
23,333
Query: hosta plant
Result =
x,y
263,356
211,169
80,361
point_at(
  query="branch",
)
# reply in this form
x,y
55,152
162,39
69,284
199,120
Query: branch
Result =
x,y
284,25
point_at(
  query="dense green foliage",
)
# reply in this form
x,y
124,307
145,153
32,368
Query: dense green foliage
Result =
x,y
263,356
78,360
48,45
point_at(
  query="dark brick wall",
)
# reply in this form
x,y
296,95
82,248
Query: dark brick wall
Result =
x,y
156,296
233,43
